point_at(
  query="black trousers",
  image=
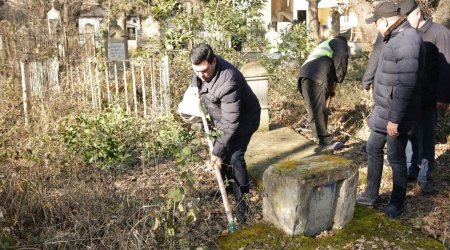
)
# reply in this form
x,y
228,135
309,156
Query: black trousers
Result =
x,y
234,169
315,95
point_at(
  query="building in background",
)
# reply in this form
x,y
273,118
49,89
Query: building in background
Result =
x,y
284,12
91,16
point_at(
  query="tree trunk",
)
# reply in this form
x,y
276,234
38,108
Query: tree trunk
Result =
x,y
366,32
442,13
313,16
335,23
65,12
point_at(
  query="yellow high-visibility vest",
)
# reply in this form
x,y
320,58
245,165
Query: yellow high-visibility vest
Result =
x,y
323,49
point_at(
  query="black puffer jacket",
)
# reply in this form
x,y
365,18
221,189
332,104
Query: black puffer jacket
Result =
x,y
231,103
437,67
327,71
397,83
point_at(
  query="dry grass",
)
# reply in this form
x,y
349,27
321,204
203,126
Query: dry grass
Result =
x,y
50,199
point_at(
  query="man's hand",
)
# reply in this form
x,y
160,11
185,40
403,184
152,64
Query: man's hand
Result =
x,y
392,129
366,88
442,106
215,160
333,90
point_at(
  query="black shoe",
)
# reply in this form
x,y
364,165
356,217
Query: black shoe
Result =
x,y
330,147
242,210
392,211
241,217
366,201
411,179
426,188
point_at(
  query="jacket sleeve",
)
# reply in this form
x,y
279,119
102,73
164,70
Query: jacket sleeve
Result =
x,y
405,65
443,85
230,102
372,63
340,58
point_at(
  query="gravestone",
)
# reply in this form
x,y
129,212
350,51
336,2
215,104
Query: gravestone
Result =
x,y
257,78
310,195
117,49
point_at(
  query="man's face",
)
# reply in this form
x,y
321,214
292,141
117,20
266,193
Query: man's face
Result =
x,y
382,25
414,18
205,70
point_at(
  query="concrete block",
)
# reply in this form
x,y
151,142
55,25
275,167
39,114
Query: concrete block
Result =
x,y
310,195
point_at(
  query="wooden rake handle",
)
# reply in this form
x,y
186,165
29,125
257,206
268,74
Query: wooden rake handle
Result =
x,y
223,192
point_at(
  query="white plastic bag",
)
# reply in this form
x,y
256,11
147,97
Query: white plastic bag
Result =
x,y
190,107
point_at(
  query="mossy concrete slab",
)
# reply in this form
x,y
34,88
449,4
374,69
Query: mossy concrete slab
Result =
x,y
274,146
369,229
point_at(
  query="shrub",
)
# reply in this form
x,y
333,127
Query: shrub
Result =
x,y
296,44
113,139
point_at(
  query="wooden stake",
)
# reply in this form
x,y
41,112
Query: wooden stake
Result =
x,y
133,78
166,83
153,87
78,85
25,91
69,78
144,98
85,80
116,80
108,92
125,86
91,83
99,88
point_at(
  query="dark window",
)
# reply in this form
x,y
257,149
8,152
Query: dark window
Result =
x,y
131,33
301,15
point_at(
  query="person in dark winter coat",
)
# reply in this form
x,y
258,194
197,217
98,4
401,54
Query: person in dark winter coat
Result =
x,y
371,67
324,67
435,93
235,113
397,104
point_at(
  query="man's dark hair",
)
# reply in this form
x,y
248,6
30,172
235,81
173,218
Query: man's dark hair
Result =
x,y
200,53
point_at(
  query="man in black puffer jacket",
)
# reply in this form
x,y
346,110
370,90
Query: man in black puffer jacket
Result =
x,y
435,93
397,104
324,67
235,112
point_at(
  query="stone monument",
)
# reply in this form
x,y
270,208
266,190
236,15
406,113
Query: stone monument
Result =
x,y
117,49
310,195
257,77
